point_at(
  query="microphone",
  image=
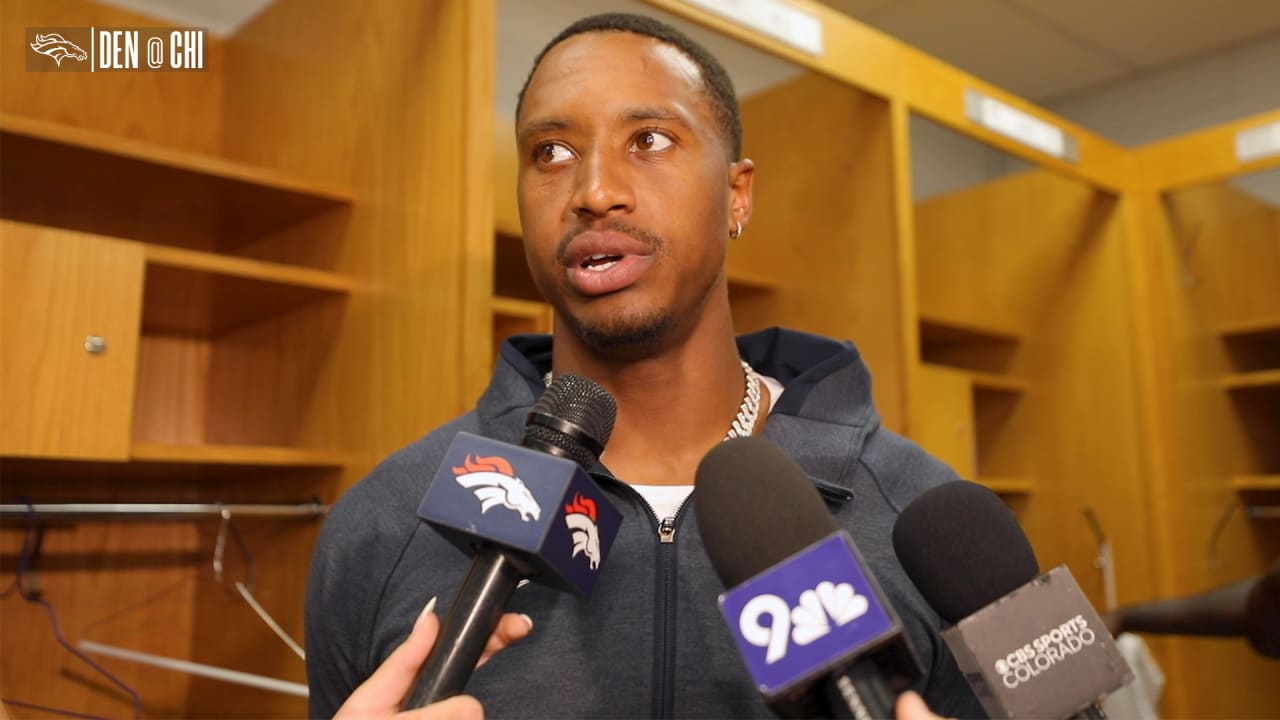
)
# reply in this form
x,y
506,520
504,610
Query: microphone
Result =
x,y
1262,614
1030,645
816,633
528,511
1248,608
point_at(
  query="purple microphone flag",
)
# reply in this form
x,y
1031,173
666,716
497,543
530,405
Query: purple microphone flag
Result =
x,y
805,614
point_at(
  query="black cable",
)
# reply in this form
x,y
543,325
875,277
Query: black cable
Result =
x,y
33,596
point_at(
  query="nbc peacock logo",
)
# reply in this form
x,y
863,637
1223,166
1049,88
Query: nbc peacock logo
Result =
x,y
821,608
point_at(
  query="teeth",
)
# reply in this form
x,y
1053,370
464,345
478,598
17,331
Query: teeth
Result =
x,y
599,262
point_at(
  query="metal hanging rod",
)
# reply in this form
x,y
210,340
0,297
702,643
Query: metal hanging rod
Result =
x,y
160,511
1262,512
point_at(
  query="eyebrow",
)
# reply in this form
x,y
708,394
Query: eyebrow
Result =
x,y
632,115
642,114
541,126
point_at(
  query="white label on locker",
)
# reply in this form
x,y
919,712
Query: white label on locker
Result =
x,y
776,19
1259,142
1019,126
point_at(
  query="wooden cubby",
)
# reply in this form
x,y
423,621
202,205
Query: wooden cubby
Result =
x,y
1023,359
274,251
1211,258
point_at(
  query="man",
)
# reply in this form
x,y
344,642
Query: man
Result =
x,y
631,186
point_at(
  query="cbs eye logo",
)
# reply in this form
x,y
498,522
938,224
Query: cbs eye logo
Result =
x,y
808,621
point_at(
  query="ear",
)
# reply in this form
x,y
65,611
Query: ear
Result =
x,y
742,176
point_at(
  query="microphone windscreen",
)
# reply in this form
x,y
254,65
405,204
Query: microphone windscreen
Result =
x,y
1262,614
575,415
755,508
962,548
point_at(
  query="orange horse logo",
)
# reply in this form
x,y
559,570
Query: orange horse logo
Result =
x,y
495,483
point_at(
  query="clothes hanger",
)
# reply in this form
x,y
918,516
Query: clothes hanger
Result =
x,y
244,589
1105,560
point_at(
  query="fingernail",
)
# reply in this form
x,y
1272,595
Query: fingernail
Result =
x,y
528,620
431,606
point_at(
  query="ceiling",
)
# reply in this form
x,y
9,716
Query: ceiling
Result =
x,y
1041,50
1046,49
1038,49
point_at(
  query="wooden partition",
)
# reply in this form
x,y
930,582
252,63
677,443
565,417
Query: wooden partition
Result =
x,y
274,254
1026,372
1212,251
820,253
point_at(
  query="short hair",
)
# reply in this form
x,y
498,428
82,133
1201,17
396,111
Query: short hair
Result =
x,y
718,86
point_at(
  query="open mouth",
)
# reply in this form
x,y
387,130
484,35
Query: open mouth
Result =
x,y
600,262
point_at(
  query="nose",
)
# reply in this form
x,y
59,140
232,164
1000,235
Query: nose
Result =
x,y
601,187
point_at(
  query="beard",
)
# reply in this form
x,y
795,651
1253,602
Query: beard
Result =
x,y
622,331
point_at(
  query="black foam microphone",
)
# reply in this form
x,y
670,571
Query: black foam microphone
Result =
x,y
812,624
1262,614
1030,645
525,512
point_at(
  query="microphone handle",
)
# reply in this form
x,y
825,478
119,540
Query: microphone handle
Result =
x,y
1093,712
859,693
472,617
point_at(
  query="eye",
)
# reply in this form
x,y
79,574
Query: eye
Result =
x,y
552,153
653,141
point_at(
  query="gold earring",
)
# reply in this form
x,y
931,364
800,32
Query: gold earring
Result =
x,y
733,234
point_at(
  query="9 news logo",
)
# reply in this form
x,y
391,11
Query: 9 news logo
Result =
x,y
808,621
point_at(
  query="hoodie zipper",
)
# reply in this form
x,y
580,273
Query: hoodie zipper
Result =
x,y
665,601
664,667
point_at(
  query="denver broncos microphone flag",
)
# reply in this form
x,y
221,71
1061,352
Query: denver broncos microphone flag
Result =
x,y
524,513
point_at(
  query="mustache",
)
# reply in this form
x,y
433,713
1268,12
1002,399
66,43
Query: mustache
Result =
x,y
655,244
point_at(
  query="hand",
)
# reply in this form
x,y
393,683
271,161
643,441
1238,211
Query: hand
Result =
x,y
911,707
380,696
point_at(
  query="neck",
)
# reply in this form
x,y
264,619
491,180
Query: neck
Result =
x,y
673,405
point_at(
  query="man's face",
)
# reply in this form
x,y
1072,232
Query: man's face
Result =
x,y
624,188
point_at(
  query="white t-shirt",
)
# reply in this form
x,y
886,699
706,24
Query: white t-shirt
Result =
x,y
666,499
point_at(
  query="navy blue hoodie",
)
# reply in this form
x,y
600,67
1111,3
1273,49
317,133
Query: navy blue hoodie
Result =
x,y
649,642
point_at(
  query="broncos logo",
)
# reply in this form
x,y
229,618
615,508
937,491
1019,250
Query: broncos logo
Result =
x,y
580,517
495,483
58,48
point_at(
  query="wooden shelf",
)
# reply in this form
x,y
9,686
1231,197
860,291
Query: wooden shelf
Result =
x,y
1262,326
507,227
517,308
96,182
952,330
740,280
1006,485
1255,483
986,381
192,292
1252,380
986,350
236,455
998,383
